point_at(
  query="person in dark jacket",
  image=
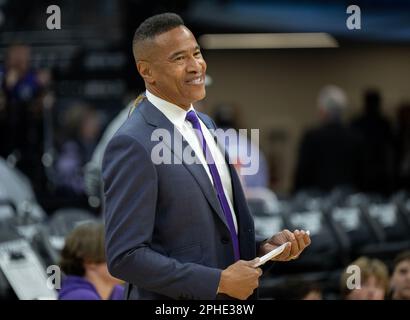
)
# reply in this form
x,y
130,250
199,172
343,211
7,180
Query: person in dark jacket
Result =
x,y
330,155
377,134
84,264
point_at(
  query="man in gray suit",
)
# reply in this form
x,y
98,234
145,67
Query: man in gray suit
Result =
x,y
178,229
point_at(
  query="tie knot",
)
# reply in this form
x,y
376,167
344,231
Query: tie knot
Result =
x,y
192,117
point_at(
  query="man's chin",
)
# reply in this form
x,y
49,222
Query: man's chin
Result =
x,y
195,96
200,96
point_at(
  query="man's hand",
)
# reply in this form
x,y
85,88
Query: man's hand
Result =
x,y
299,240
240,279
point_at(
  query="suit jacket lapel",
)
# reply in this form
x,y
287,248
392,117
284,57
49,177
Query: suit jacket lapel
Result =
x,y
156,118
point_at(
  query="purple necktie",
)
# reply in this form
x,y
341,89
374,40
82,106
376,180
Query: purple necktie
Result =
x,y
192,117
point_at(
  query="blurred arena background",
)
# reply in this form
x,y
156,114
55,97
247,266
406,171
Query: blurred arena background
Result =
x,y
332,106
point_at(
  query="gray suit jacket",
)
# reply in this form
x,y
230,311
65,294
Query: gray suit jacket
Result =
x,y
166,234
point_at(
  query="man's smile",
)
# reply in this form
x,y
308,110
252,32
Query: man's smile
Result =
x,y
199,80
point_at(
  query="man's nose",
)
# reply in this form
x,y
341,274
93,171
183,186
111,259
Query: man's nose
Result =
x,y
195,65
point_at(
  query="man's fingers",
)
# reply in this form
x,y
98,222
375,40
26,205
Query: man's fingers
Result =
x,y
301,241
292,239
295,245
268,247
285,255
251,263
289,235
306,239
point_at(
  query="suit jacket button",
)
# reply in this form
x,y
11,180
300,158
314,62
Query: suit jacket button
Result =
x,y
225,240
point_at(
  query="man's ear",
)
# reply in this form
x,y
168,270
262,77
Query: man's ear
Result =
x,y
144,69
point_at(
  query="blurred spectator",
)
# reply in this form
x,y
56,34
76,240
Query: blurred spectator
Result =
x,y
84,263
298,289
400,281
403,146
82,126
21,119
374,277
92,170
246,150
329,155
375,129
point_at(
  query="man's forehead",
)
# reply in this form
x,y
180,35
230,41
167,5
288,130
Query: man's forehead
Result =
x,y
179,38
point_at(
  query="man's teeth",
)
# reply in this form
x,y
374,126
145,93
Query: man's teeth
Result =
x,y
196,81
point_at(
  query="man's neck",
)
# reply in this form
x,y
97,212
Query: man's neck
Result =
x,y
158,94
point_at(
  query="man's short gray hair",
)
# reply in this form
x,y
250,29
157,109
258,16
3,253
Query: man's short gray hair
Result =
x,y
332,99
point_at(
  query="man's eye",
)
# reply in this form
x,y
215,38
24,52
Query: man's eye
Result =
x,y
198,54
180,58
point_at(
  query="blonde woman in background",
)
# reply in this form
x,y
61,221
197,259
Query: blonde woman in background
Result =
x,y
84,263
374,280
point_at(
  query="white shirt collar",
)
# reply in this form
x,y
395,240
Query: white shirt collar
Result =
x,y
174,113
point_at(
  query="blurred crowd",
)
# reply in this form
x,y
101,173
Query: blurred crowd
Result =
x,y
21,111
364,279
52,144
48,142
368,154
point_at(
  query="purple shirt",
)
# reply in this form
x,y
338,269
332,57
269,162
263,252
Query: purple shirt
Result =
x,y
78,288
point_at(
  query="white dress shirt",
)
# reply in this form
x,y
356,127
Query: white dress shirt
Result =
x,y
177,116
